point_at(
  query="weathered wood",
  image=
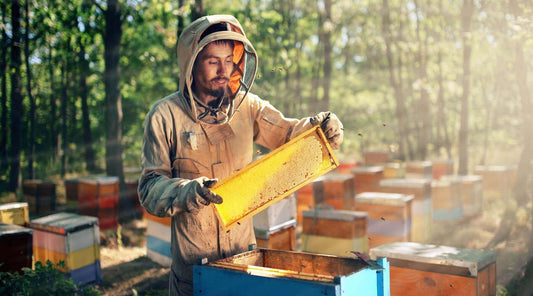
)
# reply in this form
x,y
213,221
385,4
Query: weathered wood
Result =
x,y
447,201
336,190
283,238
98,196
367,178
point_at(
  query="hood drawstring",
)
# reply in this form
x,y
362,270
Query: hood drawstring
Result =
x,y
213,115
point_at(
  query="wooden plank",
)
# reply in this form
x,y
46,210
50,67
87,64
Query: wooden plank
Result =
x,y
283,239
337,189
335,228
404,281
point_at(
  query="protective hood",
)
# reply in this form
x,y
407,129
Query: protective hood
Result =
x,y
244,58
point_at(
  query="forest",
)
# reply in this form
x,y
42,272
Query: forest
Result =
x,y
420,79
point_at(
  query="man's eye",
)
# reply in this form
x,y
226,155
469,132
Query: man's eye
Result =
x,y
213,62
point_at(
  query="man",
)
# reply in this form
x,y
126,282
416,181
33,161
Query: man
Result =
x,y
205,132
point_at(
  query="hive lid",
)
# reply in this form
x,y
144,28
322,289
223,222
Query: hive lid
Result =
x,y
368,169
407,182
342,215
104,180
463,178
274,176
63,222
473,260
10,229
383,198
13,205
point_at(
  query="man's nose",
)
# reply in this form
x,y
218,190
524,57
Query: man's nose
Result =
x,y
222,69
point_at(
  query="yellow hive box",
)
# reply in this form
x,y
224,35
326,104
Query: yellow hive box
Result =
x,y
274,176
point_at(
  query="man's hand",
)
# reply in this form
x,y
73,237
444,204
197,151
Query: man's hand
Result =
x,y
202,190
332,127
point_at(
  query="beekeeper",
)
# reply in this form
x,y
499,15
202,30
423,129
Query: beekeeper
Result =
x,y
205,132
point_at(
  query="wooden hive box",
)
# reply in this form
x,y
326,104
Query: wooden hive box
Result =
x,y
389,216
417,269
442,167
419,169
71,190
276,214
447,201
273,272
336,190
375,157
394,170
158,239
366,178
98,196
305,200
274,177
345,167
72,238
16,213
16,246
40,196
422,204
497,179
334,232
282,237
471,187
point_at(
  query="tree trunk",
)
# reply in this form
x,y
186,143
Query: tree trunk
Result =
x,y
398,96
64,103
3,75
179,30
31,149
16,97
54,134
327,29
466,17
113,100
198,10
86,124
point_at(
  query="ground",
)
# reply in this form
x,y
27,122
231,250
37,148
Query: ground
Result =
x,y
127,270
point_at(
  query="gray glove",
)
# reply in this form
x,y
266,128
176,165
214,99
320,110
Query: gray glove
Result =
x,y
196,194
332,127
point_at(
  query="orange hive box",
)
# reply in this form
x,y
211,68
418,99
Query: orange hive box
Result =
x,y
442,167
40,196
366,178
274,176
334,232
375,157
417,269
422,204
419,169
471,187
305,200
447,205
281,237
335,190
98,197
394,170
389,216
497,179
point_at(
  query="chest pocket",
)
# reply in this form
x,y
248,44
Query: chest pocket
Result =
x,y
192,156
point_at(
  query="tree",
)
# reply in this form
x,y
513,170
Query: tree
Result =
x,y
29,91
466,18
16,97
3,88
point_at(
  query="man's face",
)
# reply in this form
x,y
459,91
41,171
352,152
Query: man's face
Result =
x,y
212,70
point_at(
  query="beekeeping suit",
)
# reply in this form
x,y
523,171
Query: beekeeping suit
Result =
x,y
187,143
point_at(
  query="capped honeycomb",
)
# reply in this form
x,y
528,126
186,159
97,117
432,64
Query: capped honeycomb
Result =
x,y
274,176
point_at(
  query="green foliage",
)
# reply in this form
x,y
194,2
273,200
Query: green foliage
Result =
x,y
43,280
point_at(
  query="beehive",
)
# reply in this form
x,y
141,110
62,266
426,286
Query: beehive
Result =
x,y
447,201
335,190
334,232
72,238
389,216
442,167
273,272
98,196
274,176
40,196
366,178
418,269
71,190
158,238
375,157
276,214
419,169
16,213
393,170
16,246
471,187
422,204
497,179
345,167
305,200
281,237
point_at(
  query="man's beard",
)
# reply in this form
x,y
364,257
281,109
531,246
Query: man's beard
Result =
x,y
218,93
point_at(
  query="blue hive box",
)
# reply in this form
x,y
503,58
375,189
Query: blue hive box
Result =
x,y
276,272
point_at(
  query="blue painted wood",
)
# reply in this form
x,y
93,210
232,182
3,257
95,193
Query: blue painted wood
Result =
x,y
209,280
90,274
158,245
